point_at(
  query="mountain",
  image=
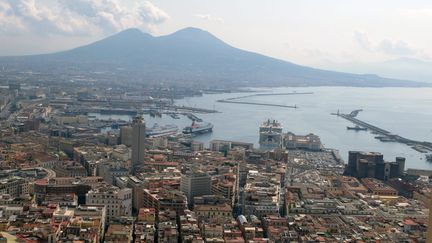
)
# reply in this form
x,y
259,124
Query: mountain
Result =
x,y
400,68
188,57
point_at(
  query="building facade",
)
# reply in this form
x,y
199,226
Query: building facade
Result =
x,y
118,202
138,143
195,184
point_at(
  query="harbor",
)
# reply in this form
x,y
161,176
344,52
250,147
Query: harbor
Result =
x,y
238,122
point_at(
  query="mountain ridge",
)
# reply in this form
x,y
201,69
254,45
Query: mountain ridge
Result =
x,y
193,55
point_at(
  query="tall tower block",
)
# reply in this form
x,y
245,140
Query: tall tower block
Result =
x,y
138,143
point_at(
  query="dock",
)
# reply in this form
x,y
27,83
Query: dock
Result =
x,y
256,103
193,117
270,94
234,100
177,109
387,136
365,124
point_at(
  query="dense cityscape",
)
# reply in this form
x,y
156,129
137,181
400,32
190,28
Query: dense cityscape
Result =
x,y
68,176
193,121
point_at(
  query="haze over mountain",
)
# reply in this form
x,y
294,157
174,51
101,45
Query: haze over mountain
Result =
x,y
189,56
401,68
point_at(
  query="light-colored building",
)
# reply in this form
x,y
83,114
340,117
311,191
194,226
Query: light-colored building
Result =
x,y
118,202
110,170
261,194
81,224
225,145
309,142
226,186
122,152
8,211
214,213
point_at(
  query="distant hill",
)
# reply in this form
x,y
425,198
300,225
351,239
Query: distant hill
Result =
x,y
191,57
401,68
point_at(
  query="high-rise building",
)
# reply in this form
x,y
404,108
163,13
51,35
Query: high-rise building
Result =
x,y
138,143
126,135
194,184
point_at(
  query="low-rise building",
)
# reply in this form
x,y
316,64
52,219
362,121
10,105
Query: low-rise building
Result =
x,y
163,199
214,213
69,169
308,142
14,186
261,196
378,188
84,223
119,233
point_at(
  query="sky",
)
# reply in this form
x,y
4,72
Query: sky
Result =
x,y
309,32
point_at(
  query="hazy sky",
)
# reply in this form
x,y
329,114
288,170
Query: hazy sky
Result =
x,y
303,31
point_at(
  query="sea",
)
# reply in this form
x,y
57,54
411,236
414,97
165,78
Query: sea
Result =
x,y
403,111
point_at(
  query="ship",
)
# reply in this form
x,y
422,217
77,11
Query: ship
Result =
x,y
195,128
164,130
357,128
429,157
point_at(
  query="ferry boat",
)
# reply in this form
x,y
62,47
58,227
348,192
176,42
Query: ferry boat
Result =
x,y
164,130
202,127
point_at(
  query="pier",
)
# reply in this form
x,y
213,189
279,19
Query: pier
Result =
x,y
193,117
270,94
177,108
254,103
234,100
387,136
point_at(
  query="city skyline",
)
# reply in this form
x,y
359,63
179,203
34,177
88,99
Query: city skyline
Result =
x,y
215,121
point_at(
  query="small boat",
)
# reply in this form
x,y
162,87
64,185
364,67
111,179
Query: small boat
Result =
x,y
357,128
174,116
384,139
